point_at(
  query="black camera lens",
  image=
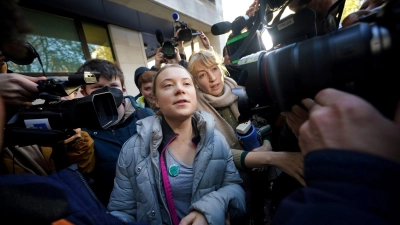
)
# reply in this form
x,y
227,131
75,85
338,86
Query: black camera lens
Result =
x,y
168,50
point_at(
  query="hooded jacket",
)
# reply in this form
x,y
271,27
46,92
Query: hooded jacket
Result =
x,y
138,193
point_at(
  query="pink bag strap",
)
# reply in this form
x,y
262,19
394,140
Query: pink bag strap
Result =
x,y
167,186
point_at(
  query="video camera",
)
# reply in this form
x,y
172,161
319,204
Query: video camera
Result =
x,y
359,59
185,33
167,48
53,121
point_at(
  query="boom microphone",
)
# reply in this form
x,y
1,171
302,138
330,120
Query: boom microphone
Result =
x,y
160,37
221,28
175,16
236,26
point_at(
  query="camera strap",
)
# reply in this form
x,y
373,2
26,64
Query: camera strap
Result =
x,y
257,22
30,46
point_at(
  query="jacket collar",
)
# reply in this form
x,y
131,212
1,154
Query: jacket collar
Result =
x,y
169,134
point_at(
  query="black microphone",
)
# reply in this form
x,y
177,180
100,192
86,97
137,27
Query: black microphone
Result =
x,y
221,28
236,26
160,37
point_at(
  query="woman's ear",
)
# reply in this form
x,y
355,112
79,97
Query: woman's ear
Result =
x,y
156,102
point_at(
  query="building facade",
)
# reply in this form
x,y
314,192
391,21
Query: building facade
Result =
x,y
69,32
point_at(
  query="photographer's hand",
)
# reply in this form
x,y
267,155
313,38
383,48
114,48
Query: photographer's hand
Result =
x,y
204,40
290,162
17,89
252,9
80,150
73,138
265,147
176,59
177,55
339,120
194,217
159,58
366,8
296,117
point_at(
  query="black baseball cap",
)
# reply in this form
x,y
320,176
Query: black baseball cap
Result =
x,y
139,71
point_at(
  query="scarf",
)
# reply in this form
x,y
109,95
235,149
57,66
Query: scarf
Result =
x,y
208,103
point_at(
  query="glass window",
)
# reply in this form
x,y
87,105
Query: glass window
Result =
x,y
98,42
56,40
59,45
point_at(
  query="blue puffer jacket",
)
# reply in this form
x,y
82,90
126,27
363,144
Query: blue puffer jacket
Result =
x,y
138,193
108,144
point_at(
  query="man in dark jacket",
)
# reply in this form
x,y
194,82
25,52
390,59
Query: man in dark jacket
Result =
x,y
108,142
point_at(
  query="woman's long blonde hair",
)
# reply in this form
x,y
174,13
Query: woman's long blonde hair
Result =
x,y
205,58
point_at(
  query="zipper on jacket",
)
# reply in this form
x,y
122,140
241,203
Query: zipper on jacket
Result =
x,y
74,168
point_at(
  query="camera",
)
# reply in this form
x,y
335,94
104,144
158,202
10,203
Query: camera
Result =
x,y
359,59
53,121
167,48
185,33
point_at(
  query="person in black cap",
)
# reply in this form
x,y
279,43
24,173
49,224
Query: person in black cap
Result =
x,y
138,72
144,82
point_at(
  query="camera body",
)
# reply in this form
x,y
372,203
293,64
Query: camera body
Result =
x,y
53,121
185,33
168,49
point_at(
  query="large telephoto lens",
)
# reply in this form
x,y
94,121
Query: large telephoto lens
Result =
x,y
358,59
94,111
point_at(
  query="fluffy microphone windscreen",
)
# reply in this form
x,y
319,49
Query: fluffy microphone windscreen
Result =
x,y
221,28
160,36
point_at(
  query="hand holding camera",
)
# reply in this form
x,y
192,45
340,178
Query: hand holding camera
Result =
x,y
17,89
204,40
353,119
161,57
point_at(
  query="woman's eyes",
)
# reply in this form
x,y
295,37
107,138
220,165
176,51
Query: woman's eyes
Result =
x,y
170,85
